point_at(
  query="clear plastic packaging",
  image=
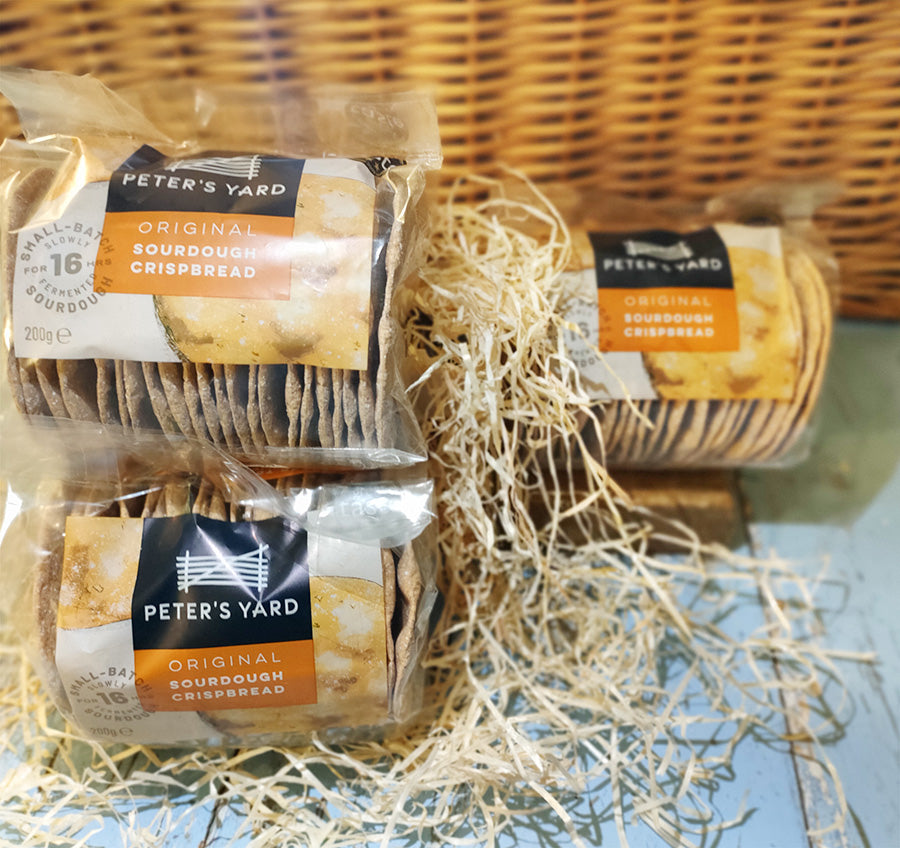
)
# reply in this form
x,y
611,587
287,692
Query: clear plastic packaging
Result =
x,y
170,595
701,333
200,262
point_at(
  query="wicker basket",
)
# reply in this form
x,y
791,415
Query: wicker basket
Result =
x,y
649,98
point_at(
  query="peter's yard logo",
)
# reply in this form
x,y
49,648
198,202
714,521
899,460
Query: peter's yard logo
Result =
x,y
242,167
249,571
665,253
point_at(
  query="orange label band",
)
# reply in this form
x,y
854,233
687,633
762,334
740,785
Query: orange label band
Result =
x,y
668,319
230,677
195,254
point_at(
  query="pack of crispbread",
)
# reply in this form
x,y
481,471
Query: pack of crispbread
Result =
x,y
203,263
701,334
170,595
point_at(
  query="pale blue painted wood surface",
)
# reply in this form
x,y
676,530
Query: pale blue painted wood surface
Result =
x,y
844,503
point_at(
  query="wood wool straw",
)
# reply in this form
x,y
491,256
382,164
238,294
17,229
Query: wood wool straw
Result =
x,y
561,670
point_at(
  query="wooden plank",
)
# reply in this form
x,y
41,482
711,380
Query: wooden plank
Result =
x,y
843,506
704,500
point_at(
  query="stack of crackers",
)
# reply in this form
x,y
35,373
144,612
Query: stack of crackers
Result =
x,y
735,408
261,412
368,637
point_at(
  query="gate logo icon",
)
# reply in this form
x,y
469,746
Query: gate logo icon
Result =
x,y
249,571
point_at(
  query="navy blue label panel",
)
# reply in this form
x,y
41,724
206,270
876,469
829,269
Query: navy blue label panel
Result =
x,y
204,583
661,258
251,184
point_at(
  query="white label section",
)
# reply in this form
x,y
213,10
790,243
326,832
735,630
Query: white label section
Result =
x,y
56,312
96,666
330,557
612,376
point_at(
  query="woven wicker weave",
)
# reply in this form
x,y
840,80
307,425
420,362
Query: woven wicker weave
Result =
x,y
673,98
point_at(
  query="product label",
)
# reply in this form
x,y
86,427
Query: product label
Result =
x,y
702,315
240,259
661,291
164,622
227,621
57,314
213,226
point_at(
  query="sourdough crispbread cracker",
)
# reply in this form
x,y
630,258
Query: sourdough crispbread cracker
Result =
x,y
150,501
351,666
79,386
388,579
653,439
812,295
193,401
367,414
408,626
718,418
138,399
350,404
629,430
742,413
692,437
293,399
323,399
119,374
223,408
350,636
324,322
59,503
48,381
156,394
237,379
108,549
14,379
23,198
309,409
33,396
206,390
274,412
748,439
49,534
673,431
254,416
613,422
107,401
640,429
172,379
338,426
